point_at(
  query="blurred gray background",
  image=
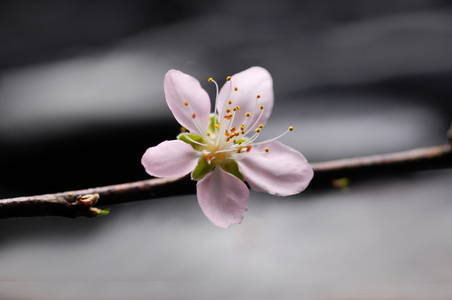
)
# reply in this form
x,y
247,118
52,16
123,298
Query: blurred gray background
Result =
x,y
81,99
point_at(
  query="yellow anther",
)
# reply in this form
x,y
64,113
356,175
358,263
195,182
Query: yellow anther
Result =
x,y
258,96
242,126
266,149
228,78
236,133
210,79
186,103
183,129
237,107
239,149
235,89
290,128
217,126
258,130
247,114
230,115
261,126
230,102
228,110
261,107
243,132
208,134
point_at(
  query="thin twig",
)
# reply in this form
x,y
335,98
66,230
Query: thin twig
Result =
x,y
436,157
81,202
78,203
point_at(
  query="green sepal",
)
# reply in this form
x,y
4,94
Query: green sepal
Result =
x,y
103,212
232,167
202,169
211,128
194,137
94,211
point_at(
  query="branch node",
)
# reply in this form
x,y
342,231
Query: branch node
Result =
x,y
84,206
87,200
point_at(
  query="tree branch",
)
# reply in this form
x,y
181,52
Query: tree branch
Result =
x,y
81,202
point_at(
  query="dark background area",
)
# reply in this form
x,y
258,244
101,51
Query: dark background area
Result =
x,y
81,99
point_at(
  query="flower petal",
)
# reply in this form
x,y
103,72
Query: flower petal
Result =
x,y
222,198
170,159
282,171
179,88
249,83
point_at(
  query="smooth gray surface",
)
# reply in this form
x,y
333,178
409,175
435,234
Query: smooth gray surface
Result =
x,y
386,238
380,239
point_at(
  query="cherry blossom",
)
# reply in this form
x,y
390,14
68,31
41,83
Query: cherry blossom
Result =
x,y
221,150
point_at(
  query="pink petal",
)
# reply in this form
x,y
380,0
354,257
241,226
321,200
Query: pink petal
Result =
x,y
250,83
170,159
282,171
222,198
180,87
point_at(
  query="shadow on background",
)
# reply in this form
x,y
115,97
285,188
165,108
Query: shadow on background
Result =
x,y
81,99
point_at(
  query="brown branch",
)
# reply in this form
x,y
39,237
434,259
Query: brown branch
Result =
x,y
436,157
81,202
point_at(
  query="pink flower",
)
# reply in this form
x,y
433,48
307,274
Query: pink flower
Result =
x,y
220,149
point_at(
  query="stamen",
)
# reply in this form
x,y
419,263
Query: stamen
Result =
x,y
235,89
266,149
215,112
258,96
275,138
183,129
195,122
258,118
229,102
